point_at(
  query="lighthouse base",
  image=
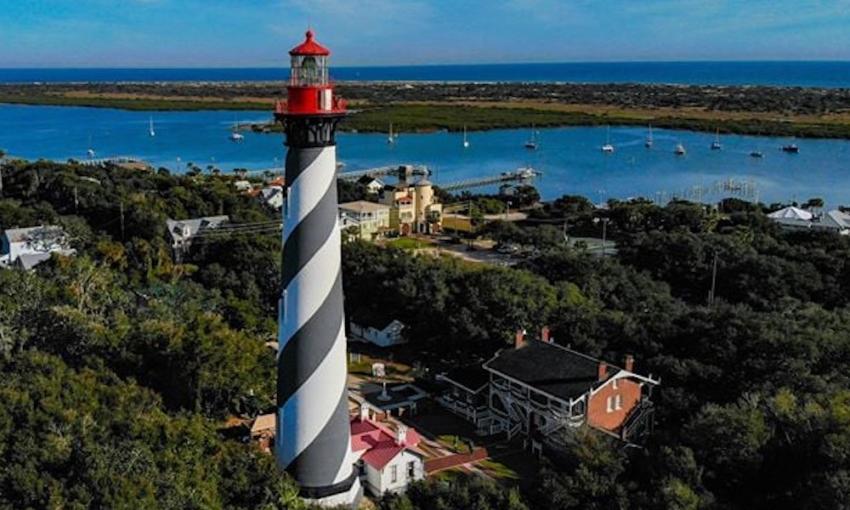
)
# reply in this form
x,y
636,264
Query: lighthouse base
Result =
x,y
349,498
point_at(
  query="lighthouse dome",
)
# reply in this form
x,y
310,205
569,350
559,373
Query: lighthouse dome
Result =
x,y
310,47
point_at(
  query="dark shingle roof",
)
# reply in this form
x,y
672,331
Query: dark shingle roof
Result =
x,y
473,378
549,368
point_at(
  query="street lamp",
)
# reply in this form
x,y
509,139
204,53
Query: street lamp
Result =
x,y
604,230
507,209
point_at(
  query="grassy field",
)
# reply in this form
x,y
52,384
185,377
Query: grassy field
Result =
x,y
407,243
482,115
136,104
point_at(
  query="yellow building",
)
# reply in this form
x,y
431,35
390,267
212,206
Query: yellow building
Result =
x,y
368,219
413,209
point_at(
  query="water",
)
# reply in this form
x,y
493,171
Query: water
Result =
x,y
569,157
802,74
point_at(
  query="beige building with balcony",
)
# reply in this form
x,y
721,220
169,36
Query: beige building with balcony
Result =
x,y
367,219
413,209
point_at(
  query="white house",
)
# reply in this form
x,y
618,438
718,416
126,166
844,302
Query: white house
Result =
x,y
373,186
272,196
388,461
391,334
794,218
182,231
242,185
27,247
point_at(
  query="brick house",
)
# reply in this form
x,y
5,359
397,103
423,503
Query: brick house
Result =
x,y
539,391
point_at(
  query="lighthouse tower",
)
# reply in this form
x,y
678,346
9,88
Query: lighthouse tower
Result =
x,y
313,433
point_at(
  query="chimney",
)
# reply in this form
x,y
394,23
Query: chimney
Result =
x,y
544,335
364,412
602,373
629,363
401,435
520,338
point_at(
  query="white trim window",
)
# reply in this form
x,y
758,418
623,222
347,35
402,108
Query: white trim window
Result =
x,y
609,407
618,402
393,473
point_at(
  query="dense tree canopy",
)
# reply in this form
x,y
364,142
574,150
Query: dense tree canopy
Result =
x,y
120,365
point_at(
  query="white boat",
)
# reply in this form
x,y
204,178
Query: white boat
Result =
x,y
465,140
90,153
235,135
151,132
756,154
680,150
608,148
531,144
391,137
648,142
716,145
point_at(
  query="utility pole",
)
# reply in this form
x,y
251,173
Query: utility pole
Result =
x,y
122,220
604,232
566,238
711,293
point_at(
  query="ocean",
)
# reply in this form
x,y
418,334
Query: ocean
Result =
x,y
792,74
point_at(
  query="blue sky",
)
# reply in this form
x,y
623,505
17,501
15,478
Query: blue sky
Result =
x,y
247,33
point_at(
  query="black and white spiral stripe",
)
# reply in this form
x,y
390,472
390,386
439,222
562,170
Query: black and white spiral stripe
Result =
x,y
313,442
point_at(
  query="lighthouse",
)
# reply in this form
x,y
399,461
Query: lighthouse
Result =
x,y
313,439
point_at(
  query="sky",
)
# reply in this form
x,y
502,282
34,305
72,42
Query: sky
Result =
x,y
258,33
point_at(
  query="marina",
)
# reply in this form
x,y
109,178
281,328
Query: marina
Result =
x,y
569,158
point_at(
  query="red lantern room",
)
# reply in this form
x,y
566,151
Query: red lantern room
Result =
x,y
310,92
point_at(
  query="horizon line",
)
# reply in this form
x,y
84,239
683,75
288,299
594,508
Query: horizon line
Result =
x,y
283,66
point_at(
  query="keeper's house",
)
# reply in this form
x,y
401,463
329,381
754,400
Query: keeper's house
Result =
x,y
540,391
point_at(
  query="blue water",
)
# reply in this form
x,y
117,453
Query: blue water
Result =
x,y
803,74
569,157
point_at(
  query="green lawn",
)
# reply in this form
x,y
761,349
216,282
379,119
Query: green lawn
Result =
x,y
407,243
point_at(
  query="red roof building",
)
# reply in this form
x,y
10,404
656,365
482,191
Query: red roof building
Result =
x,y
388,460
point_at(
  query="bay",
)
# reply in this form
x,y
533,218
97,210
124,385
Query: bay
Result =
x,y
570,158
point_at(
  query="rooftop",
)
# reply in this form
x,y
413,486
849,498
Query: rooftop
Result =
x,y
550,368
379,442
263,422
472,378
363,206
20,235
175,227
310,47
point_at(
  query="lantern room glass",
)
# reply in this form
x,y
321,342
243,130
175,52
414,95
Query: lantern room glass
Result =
x,y
309,71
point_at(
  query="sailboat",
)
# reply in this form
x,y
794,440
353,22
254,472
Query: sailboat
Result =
x,y
680,150
756,153
151,132
90,152
608,148
648,142
465,141
391,136
235,135
716,145
531,144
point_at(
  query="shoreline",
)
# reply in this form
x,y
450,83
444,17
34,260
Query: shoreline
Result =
x,y
432,106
